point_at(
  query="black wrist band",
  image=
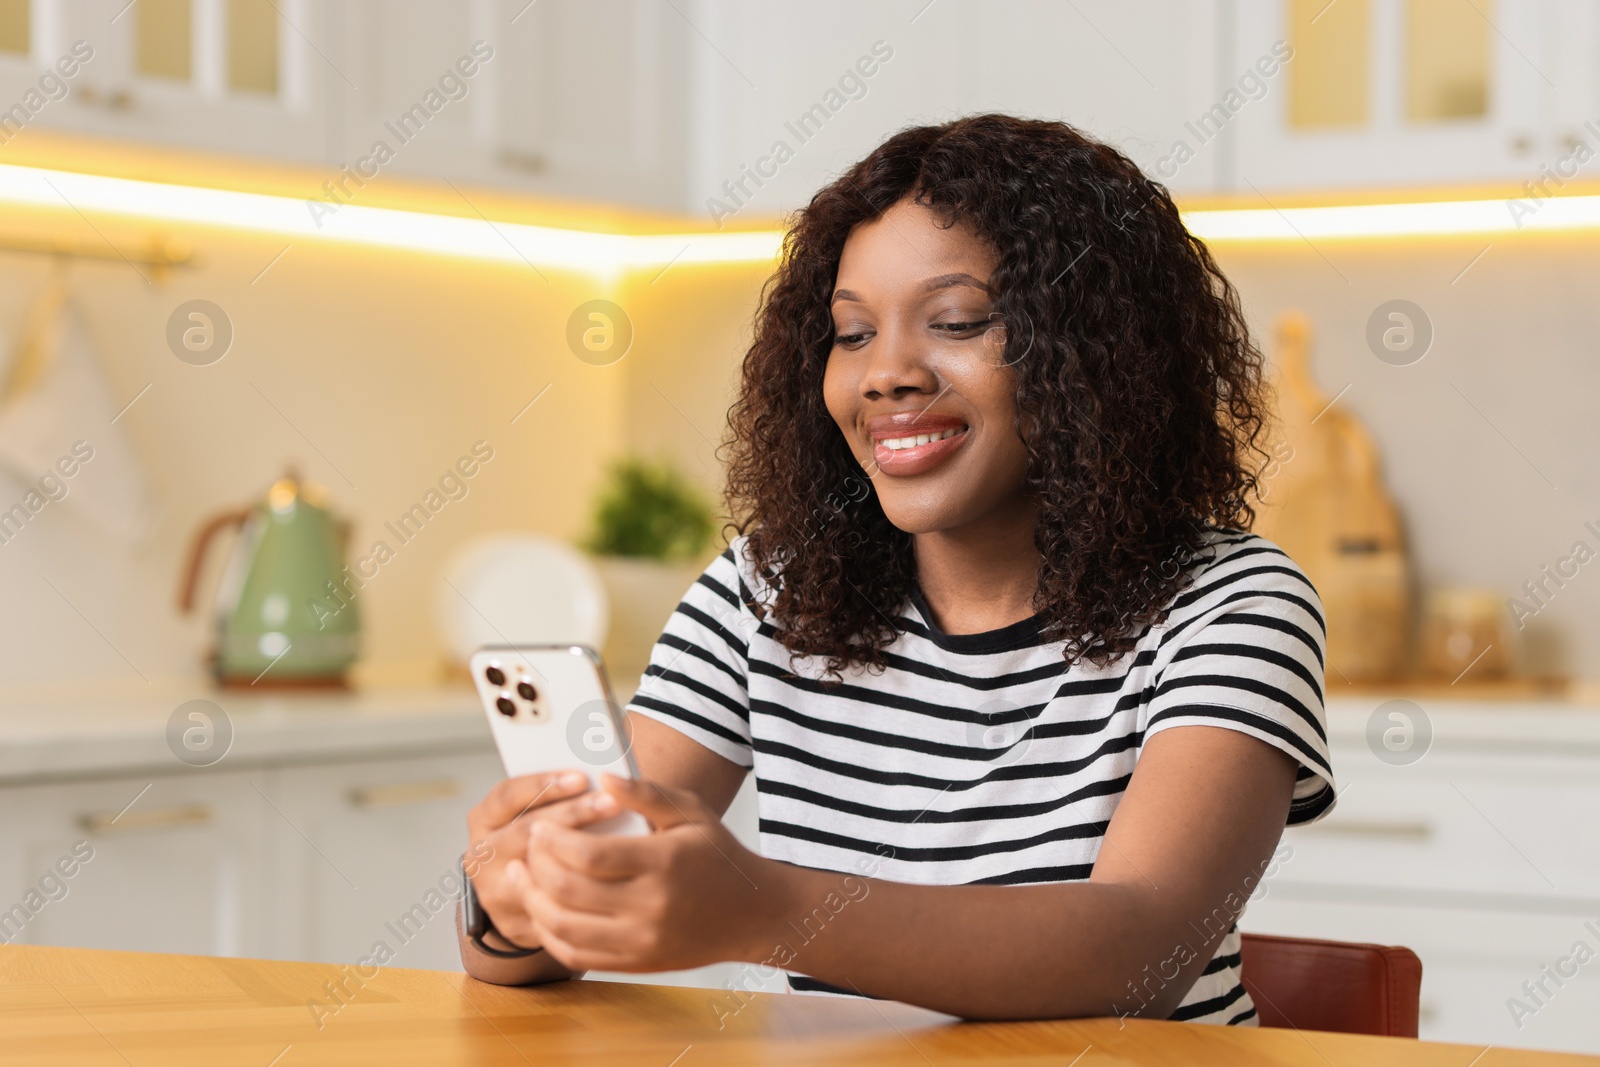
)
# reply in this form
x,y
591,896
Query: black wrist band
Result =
x,y
502,954
476,922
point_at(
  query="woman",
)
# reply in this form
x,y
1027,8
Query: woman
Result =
x,y
1027,708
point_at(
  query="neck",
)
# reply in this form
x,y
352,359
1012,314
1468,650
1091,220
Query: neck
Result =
x,y
983,575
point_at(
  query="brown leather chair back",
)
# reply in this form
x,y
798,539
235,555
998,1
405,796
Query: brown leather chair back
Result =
x,y
1332,985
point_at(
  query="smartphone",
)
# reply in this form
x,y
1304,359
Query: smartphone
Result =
x,y
550,708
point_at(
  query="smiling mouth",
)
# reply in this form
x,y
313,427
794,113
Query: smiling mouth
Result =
x,y
912,454
900,444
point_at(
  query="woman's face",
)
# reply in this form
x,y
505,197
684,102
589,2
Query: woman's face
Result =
x,y
917,380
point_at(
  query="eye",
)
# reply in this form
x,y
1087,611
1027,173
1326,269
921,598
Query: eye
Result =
x,y
966,330
851,340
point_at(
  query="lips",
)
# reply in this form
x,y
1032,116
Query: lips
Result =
x,y
912,442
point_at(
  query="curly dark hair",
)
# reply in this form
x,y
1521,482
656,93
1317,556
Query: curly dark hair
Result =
x,y
1135,373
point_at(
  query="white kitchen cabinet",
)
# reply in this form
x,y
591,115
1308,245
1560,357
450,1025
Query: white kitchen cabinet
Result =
x,y
309,862
1480,857
332,823
169,864
257,78
681,107
787,96
365,852
593,99
1540,89
633,101
721,109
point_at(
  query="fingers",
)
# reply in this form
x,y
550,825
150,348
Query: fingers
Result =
x,y
516,796
575,889
578,811
563,927
603,857
575,959
506,905
663,807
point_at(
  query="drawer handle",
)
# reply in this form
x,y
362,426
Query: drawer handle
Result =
x,y
388,796
106,822
1410,831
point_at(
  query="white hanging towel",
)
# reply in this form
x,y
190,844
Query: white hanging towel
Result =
x,y
54,395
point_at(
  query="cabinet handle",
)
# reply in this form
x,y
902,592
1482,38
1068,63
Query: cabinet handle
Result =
x,y
386,796
1414,831
106,822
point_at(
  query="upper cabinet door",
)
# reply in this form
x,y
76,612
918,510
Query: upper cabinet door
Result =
x,y
593,98
568,98
251,77
426,76
1409,92
786,96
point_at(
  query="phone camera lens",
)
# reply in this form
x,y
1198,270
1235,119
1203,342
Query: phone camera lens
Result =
x,y
507,706
526,691
495,675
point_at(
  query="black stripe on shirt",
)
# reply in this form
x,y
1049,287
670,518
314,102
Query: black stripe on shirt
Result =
x,y
1185,1012
927,815
694,685
1246,685
1265,655
935,854
1011,772
700,722
1266,726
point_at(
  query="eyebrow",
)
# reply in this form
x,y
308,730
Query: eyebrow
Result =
x,y
932,285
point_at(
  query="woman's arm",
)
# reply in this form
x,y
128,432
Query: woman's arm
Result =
x,y
497,831
1185,849
1188,843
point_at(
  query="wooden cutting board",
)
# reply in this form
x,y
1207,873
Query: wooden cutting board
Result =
x,y
1322,499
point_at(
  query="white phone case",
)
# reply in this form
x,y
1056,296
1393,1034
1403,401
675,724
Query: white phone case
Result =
x,y
550,708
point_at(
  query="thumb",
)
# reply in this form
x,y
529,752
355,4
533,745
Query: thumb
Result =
x,y
661,806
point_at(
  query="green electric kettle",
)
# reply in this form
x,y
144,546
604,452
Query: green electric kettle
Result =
x,y
286,611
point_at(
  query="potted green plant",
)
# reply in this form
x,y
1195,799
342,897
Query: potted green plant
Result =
x,y
650,539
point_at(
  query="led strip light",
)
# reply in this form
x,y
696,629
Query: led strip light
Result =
x,y
1439,218
608,254
472,238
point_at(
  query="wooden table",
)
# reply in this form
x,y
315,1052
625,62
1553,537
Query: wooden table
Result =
x,y
85,1008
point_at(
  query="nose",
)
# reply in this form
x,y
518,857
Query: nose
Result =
x,y
898,366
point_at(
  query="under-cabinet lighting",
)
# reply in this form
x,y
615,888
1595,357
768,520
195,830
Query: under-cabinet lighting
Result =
x,y
608,254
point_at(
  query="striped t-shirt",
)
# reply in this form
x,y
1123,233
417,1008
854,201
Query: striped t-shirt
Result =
x,y
982,758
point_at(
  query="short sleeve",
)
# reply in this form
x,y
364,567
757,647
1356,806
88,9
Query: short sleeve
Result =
x,y
1244,649
697,680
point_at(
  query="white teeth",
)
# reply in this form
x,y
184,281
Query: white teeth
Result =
x,y
895,444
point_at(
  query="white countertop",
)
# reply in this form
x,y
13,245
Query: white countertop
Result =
x,y
56,735
1482,725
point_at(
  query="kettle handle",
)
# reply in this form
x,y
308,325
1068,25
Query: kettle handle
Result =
x,y
197,554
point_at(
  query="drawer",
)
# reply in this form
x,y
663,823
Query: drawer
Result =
x,y
163,864
1508,831
366,852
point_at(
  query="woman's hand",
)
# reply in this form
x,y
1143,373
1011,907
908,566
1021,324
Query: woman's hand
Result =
x,y
686,895
498,831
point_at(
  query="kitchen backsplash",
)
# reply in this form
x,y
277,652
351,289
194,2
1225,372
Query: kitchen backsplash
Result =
x,y
374,371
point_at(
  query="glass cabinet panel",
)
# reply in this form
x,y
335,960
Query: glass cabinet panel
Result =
x,y
1447,59
1329,77
15,27
163,34
253,46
